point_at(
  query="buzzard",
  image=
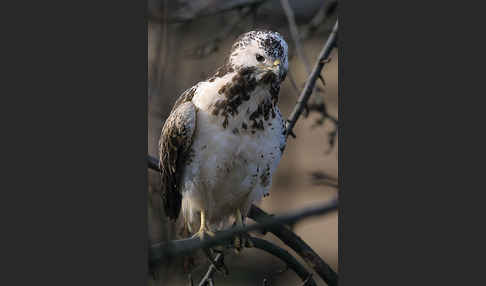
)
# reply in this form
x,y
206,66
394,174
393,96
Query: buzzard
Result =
x,y
224,137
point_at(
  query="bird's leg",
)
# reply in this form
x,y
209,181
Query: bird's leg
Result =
x,y
243,239
203,229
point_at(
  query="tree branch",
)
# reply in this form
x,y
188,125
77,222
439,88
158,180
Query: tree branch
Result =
x,y
276,251
327,9
211,270
283,255
311,81
186,14
210,46
173,248
298,245
153,163
294,32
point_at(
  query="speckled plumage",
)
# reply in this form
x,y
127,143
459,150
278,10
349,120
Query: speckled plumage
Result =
x,y
223,139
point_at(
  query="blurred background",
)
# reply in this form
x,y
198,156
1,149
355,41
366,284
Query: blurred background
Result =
x,y
187,41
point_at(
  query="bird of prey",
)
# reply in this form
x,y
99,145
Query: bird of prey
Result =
x,y
225,136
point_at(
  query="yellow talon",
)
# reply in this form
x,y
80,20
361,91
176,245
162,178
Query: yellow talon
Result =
x,y
241,240
203,229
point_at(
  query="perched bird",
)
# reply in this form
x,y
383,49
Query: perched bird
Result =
x,y
224,137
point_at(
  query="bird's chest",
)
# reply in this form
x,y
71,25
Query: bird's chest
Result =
x,y
236,152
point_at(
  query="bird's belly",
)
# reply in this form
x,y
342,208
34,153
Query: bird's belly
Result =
x,y
229,171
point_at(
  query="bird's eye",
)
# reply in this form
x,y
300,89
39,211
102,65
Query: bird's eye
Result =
x,y
260,58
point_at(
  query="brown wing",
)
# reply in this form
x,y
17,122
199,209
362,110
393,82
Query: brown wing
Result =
x,y
174,147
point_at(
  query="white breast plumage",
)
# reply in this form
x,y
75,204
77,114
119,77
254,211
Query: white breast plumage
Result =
x,y
232,165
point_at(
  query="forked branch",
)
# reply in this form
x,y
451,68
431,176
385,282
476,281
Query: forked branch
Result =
x,y
293,241
311,80
164,250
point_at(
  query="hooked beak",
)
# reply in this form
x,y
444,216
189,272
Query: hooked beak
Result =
x,y
275,67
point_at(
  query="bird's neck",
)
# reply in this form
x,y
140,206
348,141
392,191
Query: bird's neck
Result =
x,y
243,99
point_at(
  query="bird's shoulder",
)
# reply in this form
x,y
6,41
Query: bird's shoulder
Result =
x,y
186,96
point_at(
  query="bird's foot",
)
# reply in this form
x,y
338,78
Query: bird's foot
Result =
x,y
202,233
242,240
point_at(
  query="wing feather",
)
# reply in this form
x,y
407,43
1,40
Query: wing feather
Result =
x,y
174,149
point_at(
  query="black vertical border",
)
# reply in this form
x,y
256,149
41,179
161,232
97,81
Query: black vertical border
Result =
x,y
76,169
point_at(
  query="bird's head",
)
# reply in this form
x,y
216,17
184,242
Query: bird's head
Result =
x,y
265,51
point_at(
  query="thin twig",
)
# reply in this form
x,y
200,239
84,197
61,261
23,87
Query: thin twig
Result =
x,y
294,32
153,163
307,281
161,50
292,82
298,245
282,254
164,250
183,15
311,81
211,270
210,46
327,9
191,282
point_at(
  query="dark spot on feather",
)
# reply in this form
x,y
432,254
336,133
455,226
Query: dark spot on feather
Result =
x,y
236,131
258,124
189,156
224,69
235,93
265,177
244,126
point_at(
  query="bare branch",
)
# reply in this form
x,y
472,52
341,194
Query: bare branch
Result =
x,y
172,248
325,11
298,245
210,46
153,163
293,83
283,255
321,178
161,51
294,31
211,270
266,246
185,15
311,81
191,283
